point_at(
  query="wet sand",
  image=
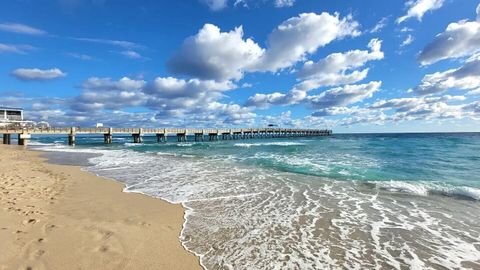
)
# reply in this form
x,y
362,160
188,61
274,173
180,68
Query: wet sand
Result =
x,y
59,217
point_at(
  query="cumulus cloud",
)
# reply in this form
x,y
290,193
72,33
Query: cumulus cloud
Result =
x,y
20,49
424,108
331,111
276,98
284,3
21,29
343,96
105,93
177,97
336,97
212,54
298,36
417,8
467,77
333,70
35,74
458,40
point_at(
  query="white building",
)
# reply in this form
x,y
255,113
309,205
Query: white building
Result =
x,y
10,115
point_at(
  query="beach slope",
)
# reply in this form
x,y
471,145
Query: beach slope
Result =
x,y
59,217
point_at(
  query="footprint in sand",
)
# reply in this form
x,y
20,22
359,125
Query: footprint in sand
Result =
x,y
30,221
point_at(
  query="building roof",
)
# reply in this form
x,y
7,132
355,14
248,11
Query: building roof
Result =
x,y
10,108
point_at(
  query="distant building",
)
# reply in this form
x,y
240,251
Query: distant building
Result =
x,y
11,116
99,125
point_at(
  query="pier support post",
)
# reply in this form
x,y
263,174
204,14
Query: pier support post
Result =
x,y
138,137
71,136
161,138
107,137
23,138
6,139
199,137
71,139
213,136
181,137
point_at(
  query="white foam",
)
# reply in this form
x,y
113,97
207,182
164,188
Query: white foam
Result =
x,y
426,188
269,144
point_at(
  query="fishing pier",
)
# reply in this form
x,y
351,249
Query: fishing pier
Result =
x,y
24,134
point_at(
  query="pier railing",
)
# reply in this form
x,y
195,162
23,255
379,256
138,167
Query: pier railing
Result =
x,y
24,134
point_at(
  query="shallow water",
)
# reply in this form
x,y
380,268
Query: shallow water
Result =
x,y
347,201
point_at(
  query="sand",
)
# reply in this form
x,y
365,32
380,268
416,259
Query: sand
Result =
x,y
59,217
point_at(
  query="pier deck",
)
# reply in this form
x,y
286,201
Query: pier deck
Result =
x,y
24,134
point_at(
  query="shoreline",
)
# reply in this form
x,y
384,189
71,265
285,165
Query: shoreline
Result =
x,y
60,216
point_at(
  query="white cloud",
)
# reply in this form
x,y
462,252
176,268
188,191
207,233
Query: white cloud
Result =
x,y
298,36
215,5
380,25
343,96
424,108
458,40
333,70
407,41
35,74
406,29
336,97
478,12
105,93
330,111
467,77
417,8
171,100
20,49
475,92
212,54
276,98
119,43
284,3
133,55
80,56
21,29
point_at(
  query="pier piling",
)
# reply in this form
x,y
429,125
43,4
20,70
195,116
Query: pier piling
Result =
x,y
23,138
161,138
6,139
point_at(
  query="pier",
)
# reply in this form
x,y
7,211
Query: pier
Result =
x,y
24,134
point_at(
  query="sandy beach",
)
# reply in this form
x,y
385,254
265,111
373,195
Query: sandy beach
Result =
x,y
59,217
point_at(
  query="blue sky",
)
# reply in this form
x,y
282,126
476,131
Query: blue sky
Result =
x,y
354,66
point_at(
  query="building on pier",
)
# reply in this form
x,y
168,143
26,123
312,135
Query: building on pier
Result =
x,y
11,116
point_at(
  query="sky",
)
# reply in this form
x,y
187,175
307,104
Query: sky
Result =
x,y
351,66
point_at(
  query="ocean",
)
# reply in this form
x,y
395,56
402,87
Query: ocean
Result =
x,y
347,201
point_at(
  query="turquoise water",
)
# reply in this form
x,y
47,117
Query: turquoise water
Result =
x,y
385,201
439,158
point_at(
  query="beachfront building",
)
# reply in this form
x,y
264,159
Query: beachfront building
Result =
x,y
9,116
